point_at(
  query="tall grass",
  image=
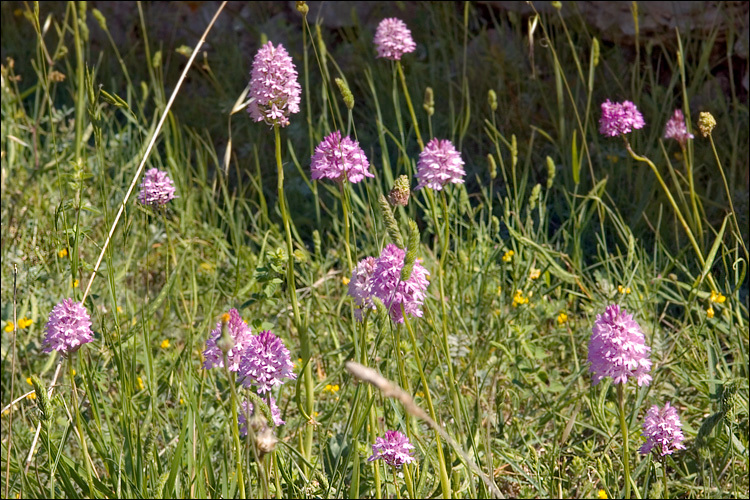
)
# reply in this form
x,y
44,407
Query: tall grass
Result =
x,y
521,261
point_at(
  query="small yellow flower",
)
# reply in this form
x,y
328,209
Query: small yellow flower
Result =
x,y
6,412
534,273
715,297
622,289
508,256
119,310
602,494
225,318
710,312
9,326
420,394
345,280
206,266
140,384
63,253
519,299
562,318
299,361
28,380
31,395
331,388
164,343
74,373
75,283
499,290
24,323
182,402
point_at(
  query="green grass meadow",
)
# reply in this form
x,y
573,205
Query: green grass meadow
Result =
x,y
554,223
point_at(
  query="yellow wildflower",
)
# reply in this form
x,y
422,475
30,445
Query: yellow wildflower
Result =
x,y
519,299
63,253
562,318
622,289
182,402
345,280
534,273
28,380
119,310
75,283
225,318
508,256
331,388
164,343
710,312
715,297
9,326
24,323
602,494
140,384
31,395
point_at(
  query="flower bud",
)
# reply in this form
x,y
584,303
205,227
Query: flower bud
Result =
x,y
345,93
492,100
429,101
706,122
400,193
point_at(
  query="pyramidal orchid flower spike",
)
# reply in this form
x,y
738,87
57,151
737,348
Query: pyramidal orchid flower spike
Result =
x,y
360,285
393,39
663,430
240,333
617,348
338,158
619,118
156,188
274,89
439,164
395,449
676,128
266,363
387,285
68,327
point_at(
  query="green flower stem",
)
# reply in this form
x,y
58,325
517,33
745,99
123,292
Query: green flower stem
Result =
x,y
235,427
677,211
445,482
665,492
693,195
729,197
395,484
441,289
372,416
303,334
79,427
409,105
345,205
624,430
405,385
